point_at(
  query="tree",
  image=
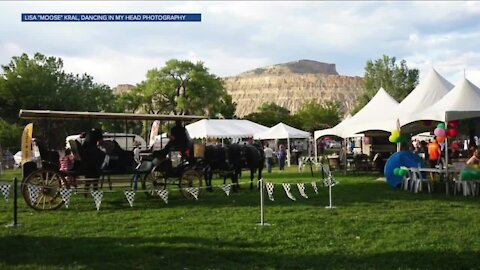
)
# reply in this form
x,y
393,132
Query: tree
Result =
x,y
313,116
40,83
270,114
397,79
10,135
182,87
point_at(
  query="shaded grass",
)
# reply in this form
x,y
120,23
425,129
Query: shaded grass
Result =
x,y
373,227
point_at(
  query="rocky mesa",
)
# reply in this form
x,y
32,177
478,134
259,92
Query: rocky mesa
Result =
x,y
292,84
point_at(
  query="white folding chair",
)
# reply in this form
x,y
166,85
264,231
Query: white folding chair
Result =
x,y
419,181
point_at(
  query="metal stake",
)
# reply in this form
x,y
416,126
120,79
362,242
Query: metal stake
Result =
x,y
15,205
262,208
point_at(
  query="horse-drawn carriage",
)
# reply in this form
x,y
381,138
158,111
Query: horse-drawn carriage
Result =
x,y
93,165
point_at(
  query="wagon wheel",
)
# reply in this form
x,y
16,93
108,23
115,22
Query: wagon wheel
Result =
x,y
190,178
153,181
49,197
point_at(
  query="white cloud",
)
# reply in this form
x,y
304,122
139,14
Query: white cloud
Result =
x,y
237,36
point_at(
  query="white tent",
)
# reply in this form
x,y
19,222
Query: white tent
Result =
x,y
282,131
460,103
428,91
380,107
223,128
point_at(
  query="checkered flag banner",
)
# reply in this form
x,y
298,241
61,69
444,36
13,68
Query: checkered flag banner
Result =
x,y
301,189
330,180
163,193
227,189
33,192
194,191
130,195
315,189
66,193
5,188
97,196
270,187
286,186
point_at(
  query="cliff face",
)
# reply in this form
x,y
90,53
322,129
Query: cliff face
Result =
x,y
292,84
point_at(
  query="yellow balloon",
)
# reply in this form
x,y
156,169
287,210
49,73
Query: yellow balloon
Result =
x,y
396,133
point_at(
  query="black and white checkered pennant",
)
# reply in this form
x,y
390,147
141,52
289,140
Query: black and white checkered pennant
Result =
x,y
286,186
270,187
33,192
5,188
227,189
330,180
194,191
66,193
315,189
163,193
97,196
301,189
130,195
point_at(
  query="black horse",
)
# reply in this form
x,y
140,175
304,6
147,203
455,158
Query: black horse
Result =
x,y
228,161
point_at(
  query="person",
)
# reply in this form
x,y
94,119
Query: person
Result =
x,y
434,153
66,164
455,150
475,159
282,156
179,141
352,146
138,161
268,158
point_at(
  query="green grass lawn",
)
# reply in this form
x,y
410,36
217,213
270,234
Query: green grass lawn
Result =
x,y
373,226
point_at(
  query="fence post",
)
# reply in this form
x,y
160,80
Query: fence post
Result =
x,y
15,205
329,182
262,206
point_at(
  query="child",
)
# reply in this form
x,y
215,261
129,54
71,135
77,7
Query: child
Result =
x,y
66,164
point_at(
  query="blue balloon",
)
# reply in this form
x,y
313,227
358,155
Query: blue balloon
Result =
x,y
403,158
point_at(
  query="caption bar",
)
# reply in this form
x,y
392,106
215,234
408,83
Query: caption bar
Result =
x,y
109,17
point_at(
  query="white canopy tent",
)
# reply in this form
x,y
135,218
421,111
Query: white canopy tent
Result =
x,y
461,102
380,107
223,129
282,131
428,91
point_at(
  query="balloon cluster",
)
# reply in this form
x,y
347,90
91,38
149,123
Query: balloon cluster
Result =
x,y
442,132
400,172
396,137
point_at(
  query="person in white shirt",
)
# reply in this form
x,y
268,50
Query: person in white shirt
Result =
x,y
268,158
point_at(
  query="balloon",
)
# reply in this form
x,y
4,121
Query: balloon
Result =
x,y
439,132
396,133
465,174
452,133
454,124
440,139
403,172
441,125
396,171
393,139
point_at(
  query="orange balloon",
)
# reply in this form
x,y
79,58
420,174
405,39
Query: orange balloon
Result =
x,y
440,139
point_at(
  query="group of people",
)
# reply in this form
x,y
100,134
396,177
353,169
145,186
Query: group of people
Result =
x,y
280,154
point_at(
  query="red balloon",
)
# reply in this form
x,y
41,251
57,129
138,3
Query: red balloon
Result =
x,y
452,133
453,124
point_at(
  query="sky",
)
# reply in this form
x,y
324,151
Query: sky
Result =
x,y
234,37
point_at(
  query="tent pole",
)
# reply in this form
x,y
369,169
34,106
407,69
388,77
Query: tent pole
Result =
x,y
345,157
288,152
446,157
399,144
314,145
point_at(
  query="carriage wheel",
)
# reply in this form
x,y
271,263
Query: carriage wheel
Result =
x,y
49,197
190,178
154,181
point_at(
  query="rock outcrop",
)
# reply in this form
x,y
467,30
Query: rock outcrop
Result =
x,y
122,88
292,84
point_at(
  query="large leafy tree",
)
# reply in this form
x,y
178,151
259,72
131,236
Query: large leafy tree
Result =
x,y
313,116
396,78
183,87
270,114
39,82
